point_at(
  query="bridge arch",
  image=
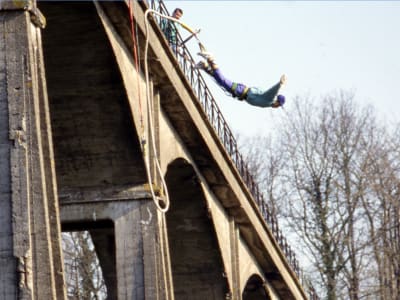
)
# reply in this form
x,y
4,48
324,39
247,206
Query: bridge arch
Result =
x,y
255,289
196,262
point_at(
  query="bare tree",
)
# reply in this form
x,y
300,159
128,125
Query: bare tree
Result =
x,y
83,273
382,211
266,165
321,175
318,158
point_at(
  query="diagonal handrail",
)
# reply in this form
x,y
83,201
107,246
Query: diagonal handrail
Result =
x,y
217,120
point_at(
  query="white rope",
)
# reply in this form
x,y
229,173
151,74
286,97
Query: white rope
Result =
x,y
151,126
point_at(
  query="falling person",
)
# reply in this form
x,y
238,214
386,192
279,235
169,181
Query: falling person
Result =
x,y
252,95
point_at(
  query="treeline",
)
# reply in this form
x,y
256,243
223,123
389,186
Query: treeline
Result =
x,y
331,173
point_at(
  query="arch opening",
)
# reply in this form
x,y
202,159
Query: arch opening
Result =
x,y
196,262
254,289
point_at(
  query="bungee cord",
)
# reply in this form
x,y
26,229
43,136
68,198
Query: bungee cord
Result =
x,y
150,113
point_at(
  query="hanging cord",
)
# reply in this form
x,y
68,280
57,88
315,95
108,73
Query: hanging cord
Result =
x,y
151,127
143,138
163,210
150,113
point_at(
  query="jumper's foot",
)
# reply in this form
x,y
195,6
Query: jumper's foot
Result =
x,y
206,55
205,66
202,65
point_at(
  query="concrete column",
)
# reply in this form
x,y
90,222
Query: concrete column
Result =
x,y
8,262
140,272
234,240
30,255
131,255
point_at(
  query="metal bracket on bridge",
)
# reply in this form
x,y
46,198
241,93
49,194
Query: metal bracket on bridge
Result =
x,y
37,17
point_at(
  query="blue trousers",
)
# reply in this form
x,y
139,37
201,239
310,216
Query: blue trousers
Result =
x,y
228,84
255,96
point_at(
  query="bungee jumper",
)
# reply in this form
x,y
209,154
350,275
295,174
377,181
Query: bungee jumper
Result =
x,y
252,95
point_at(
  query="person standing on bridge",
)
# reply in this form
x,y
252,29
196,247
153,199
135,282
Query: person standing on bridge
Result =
x,y
252,95
170,28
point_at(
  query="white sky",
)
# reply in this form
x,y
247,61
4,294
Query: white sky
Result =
x,y
322,46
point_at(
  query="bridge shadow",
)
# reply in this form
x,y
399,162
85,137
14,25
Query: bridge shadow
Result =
x,y
197,267
254,289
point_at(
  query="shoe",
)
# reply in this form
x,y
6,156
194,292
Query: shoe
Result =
x,y
206,55
203,65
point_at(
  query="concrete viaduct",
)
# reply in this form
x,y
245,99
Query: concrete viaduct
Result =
x,y
84,128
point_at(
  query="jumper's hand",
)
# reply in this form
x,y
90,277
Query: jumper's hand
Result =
x,y
283,79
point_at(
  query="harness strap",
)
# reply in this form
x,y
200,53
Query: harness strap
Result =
x,y
233,88
242,95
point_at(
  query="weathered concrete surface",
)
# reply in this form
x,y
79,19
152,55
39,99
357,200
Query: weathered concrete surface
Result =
x,y
95,141
8,263
15,5
30,233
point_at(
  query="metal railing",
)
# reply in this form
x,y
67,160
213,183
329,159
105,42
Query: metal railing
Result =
x,y
216,119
